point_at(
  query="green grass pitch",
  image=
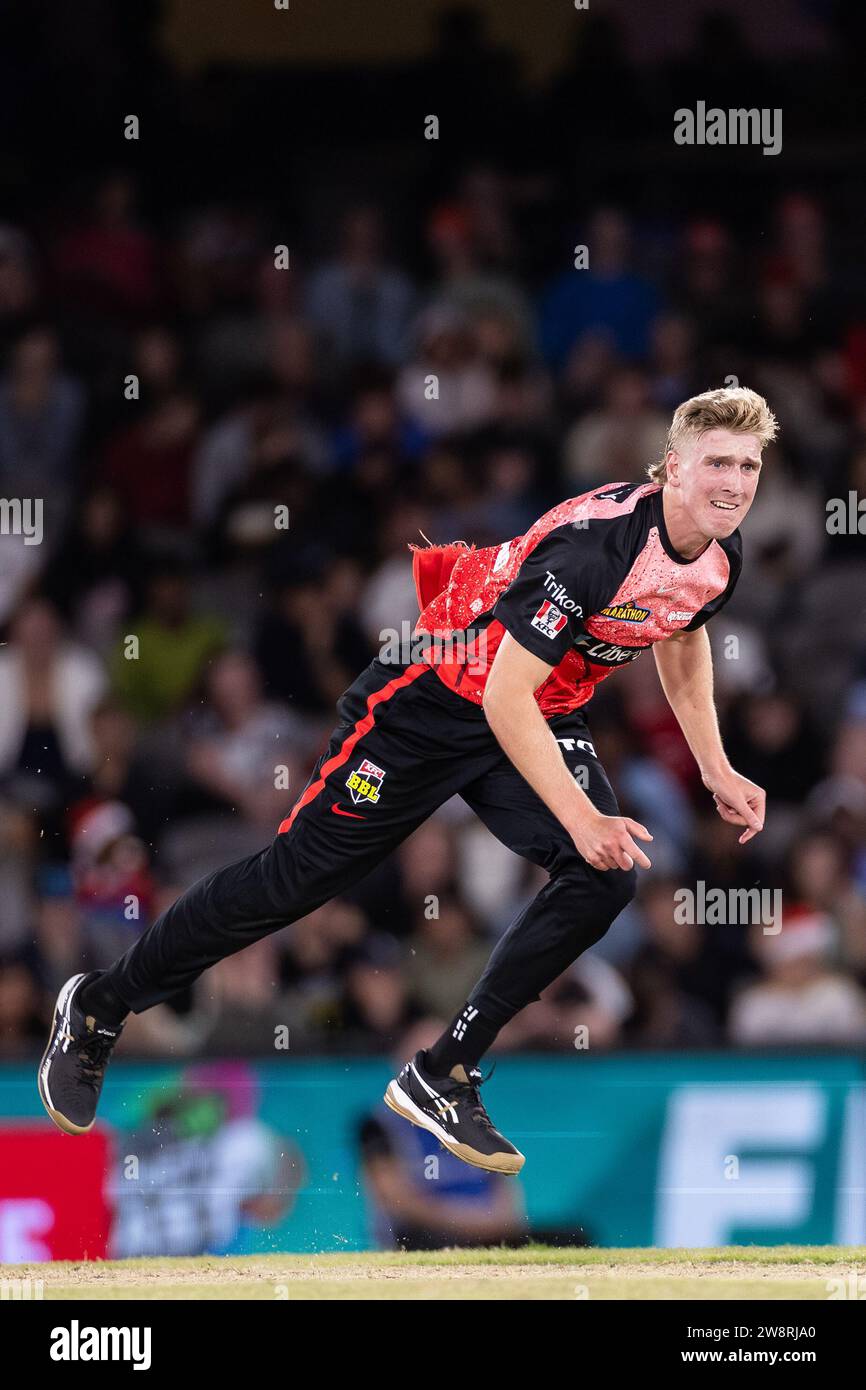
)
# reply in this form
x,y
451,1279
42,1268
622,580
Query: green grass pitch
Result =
x,y
533,1272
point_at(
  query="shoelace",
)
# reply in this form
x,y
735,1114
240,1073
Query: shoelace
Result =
x,y
468,1090
93,1054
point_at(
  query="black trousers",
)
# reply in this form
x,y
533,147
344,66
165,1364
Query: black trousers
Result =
x,y
404,744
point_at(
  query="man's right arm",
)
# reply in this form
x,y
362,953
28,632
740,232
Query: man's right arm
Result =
x,y
605,842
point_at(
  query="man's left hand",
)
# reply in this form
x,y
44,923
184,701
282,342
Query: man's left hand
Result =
x,y
738,801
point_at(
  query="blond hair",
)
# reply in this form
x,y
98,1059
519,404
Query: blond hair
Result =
x,y
733,408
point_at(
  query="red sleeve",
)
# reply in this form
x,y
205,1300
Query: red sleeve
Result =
x,y
431,568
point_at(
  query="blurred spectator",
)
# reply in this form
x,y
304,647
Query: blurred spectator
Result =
x,y
651,722
240,1010
820,868
376,1004
446,955
375,425
786,536
585,1008
360,303
125,769
479,295
234,292
523,392
511,493
801,255
670,976
388,599
801,1000
422,870
19,842
41,418
149,462
617,441
157,673
448,388
268,451
17,283
314,954
741,662
772,741
646,786
58,929
451,489
20,1023
718,862
582,380
606,295
158,363
110,261
243,750
49,687
96,576
309,646
707,285
673,377
114,888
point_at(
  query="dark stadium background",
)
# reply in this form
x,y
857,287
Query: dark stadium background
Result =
x,y
123,780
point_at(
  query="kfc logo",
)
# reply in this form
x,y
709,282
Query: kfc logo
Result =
x,y
549,620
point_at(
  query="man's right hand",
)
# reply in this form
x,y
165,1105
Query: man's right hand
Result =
x,y
605,842
608,842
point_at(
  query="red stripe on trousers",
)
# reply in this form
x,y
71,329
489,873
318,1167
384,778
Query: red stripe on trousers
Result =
x,y
361,728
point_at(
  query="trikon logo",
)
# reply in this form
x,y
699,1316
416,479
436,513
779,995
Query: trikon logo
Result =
x,y
559,594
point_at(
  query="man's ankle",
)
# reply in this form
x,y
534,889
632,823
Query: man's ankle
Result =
x,y
463,1044
101,1000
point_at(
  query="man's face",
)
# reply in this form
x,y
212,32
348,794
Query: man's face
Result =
x,y
715,476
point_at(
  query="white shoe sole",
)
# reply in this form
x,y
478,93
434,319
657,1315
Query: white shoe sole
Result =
x,y
61,1016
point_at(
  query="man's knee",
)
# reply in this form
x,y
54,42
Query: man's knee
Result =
x,y
611,890
622,886
615,888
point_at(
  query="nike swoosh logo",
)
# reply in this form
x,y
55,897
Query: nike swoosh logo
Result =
x,y
337,812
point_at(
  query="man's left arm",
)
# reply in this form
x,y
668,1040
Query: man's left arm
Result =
x,y
685,667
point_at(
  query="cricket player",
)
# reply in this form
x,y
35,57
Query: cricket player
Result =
x,y
491,709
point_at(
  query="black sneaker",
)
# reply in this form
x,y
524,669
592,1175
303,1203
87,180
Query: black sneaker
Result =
x,y
452,1110
73,1064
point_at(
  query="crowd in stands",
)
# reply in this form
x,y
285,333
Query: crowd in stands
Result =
x,y
171,656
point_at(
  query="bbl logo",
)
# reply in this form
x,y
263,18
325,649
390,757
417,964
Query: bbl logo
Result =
x,y
365,782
